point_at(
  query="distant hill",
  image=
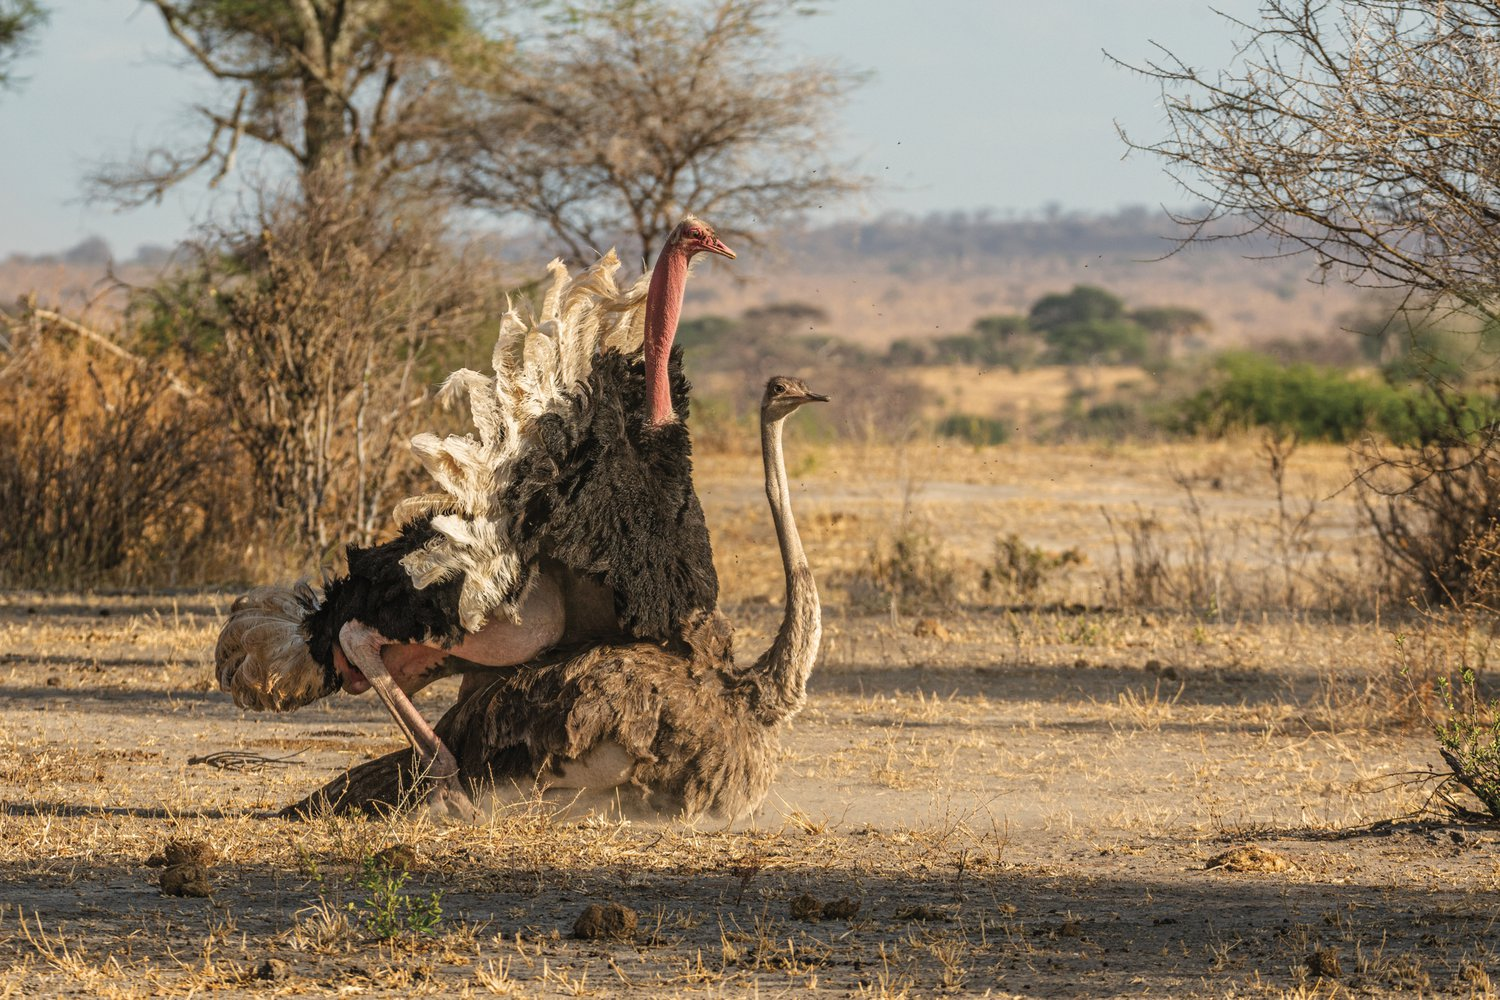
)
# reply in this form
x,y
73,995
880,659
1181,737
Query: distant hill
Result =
x,y
78,276
902,276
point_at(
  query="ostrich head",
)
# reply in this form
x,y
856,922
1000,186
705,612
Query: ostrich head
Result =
x,y
693,236
664,306
784,395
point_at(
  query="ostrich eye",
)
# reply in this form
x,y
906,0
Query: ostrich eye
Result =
x,y
693,234
777,389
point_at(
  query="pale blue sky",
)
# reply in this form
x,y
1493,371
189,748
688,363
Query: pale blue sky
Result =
x,y
998,104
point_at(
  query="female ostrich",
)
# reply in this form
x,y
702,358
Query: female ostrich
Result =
x,y
661,730
572,517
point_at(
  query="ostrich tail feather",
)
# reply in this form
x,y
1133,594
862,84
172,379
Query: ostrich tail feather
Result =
x,y
541,365
262,656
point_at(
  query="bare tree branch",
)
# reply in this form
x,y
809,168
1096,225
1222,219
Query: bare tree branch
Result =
x,y
323,81
1364,132
632,113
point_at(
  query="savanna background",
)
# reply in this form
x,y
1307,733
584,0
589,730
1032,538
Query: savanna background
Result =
x,y
1157,547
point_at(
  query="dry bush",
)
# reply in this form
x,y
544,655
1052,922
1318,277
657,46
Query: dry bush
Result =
x,y
1433,507
1218,564
1020,569
329,316
1152,571
908,571
1446,670
870,407
107,476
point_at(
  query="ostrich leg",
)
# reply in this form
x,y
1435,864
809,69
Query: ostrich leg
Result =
x,y
362,645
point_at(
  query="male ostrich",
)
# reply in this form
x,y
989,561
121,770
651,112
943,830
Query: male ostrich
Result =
x,y
686,732
572,517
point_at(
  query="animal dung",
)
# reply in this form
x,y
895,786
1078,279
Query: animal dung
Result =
x,y
185,880
1324,963
1249,859
840,909
923,912
189,852
809,907
610,921
184,865
806,907
273,970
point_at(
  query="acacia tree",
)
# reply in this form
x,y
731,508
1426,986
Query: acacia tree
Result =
x,y
358,87
1367,133
19,22
623,114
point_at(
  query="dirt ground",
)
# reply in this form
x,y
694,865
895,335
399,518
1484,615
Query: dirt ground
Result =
x,y
1001,798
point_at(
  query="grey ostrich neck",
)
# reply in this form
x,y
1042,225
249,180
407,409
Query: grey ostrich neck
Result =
x,y
782,671
663,308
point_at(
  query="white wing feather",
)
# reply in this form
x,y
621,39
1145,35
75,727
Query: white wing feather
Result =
x,y
538,364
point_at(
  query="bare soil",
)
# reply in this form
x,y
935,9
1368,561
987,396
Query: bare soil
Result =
x,y
1031,797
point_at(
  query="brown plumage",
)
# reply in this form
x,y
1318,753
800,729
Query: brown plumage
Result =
x,y
658,730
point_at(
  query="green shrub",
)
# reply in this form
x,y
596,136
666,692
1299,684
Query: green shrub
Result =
x,y
1251,390
705,331
1114,420
1084,304
1469,740
387,911
973,429
1022,568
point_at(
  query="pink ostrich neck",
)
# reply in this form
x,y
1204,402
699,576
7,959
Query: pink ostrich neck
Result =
x,y
663,307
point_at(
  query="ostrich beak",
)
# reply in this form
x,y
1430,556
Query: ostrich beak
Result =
x,y
713,245
817,397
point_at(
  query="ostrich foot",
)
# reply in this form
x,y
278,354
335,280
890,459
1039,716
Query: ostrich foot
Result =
x,y
447,801
446,798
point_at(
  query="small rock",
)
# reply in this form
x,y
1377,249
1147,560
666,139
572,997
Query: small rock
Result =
x,y
185,880
54,681
1070,928
273,969
1250,859
397,858
806,907
610,921
931,628
188,852
840,909
1324,962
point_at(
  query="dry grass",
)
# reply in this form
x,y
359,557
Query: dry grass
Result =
x,y
1022,801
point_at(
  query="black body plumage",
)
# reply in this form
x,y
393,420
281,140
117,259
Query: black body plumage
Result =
x,y
599,490
376,591
611,497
